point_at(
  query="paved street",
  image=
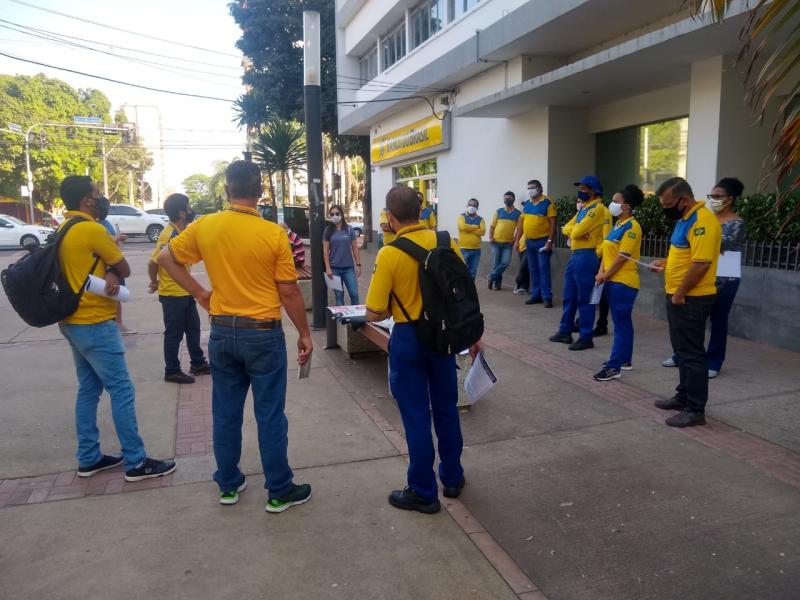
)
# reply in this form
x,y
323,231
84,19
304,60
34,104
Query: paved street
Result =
x,y
576,489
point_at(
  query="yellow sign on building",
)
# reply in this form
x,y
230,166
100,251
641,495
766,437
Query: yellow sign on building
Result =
x,y
420,135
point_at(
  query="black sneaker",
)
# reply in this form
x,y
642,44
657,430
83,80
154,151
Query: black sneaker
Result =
x,y
408,499
673,403
149,469
582,344
179,378
491,284
548,304
105,463
627,367
230,497
599,331
563,338
606,374
686,418
299,494
533,301
454,491
204,369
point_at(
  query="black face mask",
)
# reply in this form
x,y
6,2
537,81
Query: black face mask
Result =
x,y
189,217
673,213
508,201
101,205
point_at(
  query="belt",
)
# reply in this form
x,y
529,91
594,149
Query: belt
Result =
x,y
243,322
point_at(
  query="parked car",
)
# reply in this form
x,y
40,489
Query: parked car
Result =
x,y
156,211
131,221
358,227
296,217
15,232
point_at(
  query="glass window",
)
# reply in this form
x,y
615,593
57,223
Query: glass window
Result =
x,y
393,46
426,20
368,65
459,7
127,211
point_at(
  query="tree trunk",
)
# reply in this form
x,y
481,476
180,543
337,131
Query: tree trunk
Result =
x,y
366,203
272,198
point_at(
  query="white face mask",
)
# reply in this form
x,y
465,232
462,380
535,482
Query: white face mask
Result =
x,y
472,209
336,218
533,193
615,209
579,205
716,204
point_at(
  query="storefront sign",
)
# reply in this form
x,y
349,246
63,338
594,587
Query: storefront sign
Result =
x,y
425,135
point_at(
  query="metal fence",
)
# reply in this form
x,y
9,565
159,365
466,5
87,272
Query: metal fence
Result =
x,y
774,254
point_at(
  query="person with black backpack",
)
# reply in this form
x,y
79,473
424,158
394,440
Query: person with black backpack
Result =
x,y
97,349
421,280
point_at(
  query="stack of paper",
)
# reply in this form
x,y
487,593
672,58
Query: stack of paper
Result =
x,y
480,379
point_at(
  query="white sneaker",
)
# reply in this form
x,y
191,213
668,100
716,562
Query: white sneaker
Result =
x,y
669,363
627,367
520,291
124,330
712,373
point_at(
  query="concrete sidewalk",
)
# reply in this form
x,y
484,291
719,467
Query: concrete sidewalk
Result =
x,y
574,486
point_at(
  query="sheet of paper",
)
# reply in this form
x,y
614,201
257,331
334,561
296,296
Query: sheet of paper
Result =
x,y
304,370
97,286
597,293
355,310
730,264
638,262
386,324
335,282
480,379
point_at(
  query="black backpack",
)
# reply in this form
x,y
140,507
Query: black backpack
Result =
x,y
451,319
36,287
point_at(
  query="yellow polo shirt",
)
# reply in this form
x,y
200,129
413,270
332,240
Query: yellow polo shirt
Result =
x,y
245,256
594,221
166,284
470,231
388,236
427,217
505,224
536,218
697,237
395,271
76,255
625,237
522,245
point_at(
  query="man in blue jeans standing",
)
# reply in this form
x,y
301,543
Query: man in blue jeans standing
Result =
x,y
504,233
249,263
95,339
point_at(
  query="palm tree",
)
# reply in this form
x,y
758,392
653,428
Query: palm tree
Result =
x,y
771,53
280,148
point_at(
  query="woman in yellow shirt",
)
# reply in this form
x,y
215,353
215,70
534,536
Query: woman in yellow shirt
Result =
x,y
618,272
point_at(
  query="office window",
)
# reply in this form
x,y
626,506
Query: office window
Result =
x,y
459,7
393,46
426,20
368,66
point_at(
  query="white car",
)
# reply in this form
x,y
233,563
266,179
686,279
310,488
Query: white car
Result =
x,y
132,221
358,227
14,232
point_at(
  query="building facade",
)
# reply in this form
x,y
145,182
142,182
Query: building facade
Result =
x,y
470,98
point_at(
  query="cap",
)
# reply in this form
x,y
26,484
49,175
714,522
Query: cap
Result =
x,y
592,182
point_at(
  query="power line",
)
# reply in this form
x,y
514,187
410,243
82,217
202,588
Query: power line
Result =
x,y
136,85
128,31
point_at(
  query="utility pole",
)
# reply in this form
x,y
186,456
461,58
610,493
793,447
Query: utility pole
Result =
x,y
313,113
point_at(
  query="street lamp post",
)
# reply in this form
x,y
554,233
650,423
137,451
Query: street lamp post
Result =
x,y
313,113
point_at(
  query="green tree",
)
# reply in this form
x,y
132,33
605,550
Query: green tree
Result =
x,y
197,187
127,162
280,148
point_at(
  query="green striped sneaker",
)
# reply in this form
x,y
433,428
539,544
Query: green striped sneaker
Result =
x,y
232,497
299,494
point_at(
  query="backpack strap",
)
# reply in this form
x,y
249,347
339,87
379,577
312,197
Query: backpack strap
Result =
x,y
413,249
60,236
402,308
443,239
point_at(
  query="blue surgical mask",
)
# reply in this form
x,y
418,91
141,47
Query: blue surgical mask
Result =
x,y
584,196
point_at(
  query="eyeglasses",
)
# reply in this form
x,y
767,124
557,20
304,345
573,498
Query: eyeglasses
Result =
x,y
336,214
717,196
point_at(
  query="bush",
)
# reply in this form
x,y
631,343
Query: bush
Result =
x,y
755,210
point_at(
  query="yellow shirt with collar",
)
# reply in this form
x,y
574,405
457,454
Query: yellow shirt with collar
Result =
x,y
245,256
395,271
697,237
388,236
504,227
470,234
81,245
166,284
427,217
624,237
592,228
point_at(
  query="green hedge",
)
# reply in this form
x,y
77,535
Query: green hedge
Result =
x,y
753,209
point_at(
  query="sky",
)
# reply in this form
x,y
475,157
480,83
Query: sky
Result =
x,y
194,132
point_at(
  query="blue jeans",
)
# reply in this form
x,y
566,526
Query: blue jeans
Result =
x,y
424,382
473,259
99,357
539,268
241,358
348,275
621,299
501,258
578,286
717,343
180,318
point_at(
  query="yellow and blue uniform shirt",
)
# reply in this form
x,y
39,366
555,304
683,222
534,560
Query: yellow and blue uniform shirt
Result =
x,y
427,218
470,231
505,224
625,237
697,237
588,227
166,284
536,218
388,236
522,245
395,271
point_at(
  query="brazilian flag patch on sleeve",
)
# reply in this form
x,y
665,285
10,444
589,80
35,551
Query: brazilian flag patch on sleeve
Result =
x,y
632,235
700,231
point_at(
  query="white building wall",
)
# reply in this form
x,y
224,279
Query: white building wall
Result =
x,y
704,114
661,105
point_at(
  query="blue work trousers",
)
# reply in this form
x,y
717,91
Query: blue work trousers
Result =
x,y
718,342
501,258
621,299
473,259
539,268
424,383
578,285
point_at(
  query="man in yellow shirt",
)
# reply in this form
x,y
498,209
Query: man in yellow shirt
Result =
x,y
690,271
178,306
422,381
95,339
504,234
427,217
539,227
471,228
249,263
586,231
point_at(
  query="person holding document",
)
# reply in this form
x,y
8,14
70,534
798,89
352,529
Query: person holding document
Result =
x,y
341,254
722,201
619,274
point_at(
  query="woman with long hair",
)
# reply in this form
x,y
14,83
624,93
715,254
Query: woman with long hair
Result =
x,y
341,254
